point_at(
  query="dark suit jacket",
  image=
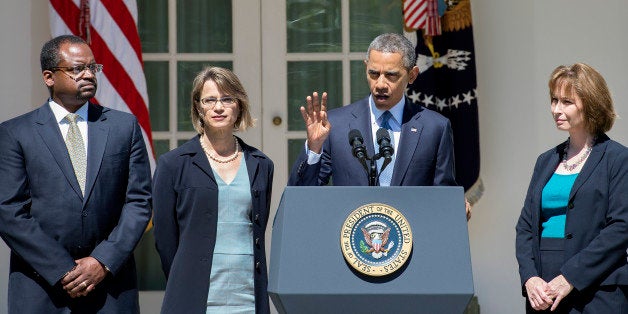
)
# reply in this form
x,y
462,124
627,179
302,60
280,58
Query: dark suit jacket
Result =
x,y
47,222
425,155
186,212
596,229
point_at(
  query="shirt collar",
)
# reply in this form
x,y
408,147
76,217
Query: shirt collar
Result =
x,y
396,110
60,112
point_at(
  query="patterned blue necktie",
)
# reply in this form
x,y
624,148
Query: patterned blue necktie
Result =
x,y
386,175
385,117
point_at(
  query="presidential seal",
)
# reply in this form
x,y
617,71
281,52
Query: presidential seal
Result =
x,y
376,239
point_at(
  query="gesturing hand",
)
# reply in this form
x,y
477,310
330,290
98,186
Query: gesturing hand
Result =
x,y
535,288
316,123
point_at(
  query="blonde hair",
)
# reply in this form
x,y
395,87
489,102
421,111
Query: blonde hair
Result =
x,y
228,83
591,88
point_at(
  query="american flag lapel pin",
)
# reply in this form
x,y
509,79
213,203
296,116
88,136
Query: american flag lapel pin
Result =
x,y
413,130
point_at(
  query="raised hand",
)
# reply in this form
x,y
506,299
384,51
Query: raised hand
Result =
x,y
316,123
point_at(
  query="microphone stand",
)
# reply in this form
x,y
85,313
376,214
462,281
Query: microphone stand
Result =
x,y
360,152
373,175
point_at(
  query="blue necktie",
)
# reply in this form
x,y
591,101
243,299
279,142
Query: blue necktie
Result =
x,y
385,117
386,175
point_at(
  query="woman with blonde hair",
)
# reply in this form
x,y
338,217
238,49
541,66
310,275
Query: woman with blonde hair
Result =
x,y
211,200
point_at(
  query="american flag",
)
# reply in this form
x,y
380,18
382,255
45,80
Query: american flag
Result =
x,y
447,84
422,14
414,13
110,28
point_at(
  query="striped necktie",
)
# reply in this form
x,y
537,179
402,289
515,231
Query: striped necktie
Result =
x,y
76,149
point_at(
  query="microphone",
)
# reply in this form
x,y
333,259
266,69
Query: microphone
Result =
x,y
357,144
385,148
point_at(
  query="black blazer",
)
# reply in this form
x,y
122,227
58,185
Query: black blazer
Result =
x,y
596,229
47,222
425,155
185,206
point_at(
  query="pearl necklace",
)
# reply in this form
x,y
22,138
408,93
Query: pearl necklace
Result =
x,y
216,159
580,160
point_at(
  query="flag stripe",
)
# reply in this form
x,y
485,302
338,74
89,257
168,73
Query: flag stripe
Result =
x,y
432,24
120,79
68,12
415,13
115,43
124,19
121,47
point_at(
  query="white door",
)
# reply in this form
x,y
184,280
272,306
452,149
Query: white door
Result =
x,y
282,50
313,45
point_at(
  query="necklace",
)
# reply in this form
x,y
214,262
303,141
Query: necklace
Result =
x,y
216,159
580,160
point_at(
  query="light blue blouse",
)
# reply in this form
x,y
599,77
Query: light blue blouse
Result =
x,y
231,285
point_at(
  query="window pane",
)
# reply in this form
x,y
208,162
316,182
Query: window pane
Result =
x,y
186,72
156,73
295,147
153,25
309,76
359,84
204,26
314,26
161,147
369,18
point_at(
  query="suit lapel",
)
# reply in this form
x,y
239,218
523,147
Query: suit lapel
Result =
x,y
548,170
411,129
48,129
589,166
362,121
200,160
252,166
97,134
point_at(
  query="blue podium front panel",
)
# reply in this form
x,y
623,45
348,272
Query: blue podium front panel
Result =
x,y
308,273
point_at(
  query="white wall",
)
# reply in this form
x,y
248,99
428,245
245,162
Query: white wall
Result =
x,y
518,44
23,30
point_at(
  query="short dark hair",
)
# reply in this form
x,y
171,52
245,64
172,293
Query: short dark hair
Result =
x,y
394,43
590,86
49,57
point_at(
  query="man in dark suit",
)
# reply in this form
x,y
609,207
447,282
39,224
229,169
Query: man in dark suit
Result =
x,y
422,139
74,195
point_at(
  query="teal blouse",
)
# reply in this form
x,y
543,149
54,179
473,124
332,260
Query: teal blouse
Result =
x,y
554,200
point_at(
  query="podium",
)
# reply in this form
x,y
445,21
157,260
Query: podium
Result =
x,y
309,274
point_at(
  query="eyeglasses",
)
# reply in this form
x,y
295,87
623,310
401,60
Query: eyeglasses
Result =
x,y
80,69
212,101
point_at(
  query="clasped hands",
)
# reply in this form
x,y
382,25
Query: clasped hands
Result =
x,y
543,294
84,277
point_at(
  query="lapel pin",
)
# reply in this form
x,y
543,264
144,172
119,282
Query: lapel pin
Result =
x,y
413,130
